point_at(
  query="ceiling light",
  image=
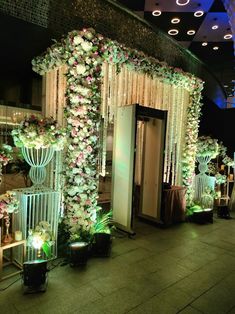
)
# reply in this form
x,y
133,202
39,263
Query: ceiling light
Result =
x,y
198,13
191,32
156,12
215,47
215,27
175,20
228,36
204,43
173,32
182,2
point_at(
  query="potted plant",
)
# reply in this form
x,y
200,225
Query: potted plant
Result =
x,y
101,244
197,214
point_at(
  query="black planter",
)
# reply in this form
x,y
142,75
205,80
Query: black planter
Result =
x,y
102,244
78,253
202,217
34,276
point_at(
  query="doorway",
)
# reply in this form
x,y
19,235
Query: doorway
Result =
x,y
138,159
149,163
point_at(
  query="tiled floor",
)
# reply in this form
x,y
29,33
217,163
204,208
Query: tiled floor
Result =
x,y
186,269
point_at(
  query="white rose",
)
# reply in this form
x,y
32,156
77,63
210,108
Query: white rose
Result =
x,y
73,191
75,170
86,46
78,40
75,140
81,69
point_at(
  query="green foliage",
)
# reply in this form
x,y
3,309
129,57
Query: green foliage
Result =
x,y
103,223
192,209
46,247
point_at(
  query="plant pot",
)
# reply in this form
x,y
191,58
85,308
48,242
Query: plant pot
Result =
x,y
102,244
78,253
202,217
35,276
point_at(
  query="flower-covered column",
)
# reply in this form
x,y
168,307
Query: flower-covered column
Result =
x,y
191,136
83,118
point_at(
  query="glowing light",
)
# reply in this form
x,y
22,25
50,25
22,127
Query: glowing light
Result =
x,y
228,36
216,48
182,2
215,27
78,245
173,32
175,20
156,12
191,32
37,242
204,43
198,13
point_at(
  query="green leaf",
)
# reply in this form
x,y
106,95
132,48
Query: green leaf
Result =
x,y
46,249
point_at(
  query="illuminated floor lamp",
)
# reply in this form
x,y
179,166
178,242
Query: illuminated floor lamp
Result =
x,y
35,272
35,276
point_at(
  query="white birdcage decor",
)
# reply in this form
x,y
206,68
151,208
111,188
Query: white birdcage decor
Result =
x,y
202,181
38,205
37,159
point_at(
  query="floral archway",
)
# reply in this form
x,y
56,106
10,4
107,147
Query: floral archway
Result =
x,y
84,52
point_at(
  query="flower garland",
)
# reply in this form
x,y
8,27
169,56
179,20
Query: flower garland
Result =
x,y
35,132
83,52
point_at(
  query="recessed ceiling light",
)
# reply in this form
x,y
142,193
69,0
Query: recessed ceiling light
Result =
x,y
173,32
191,32
198,13
215,27
182,2
204,43
215,47
175,20
228,36
225,86
156,12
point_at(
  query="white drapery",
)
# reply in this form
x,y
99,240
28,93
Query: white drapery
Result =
x,y
130,87
122,89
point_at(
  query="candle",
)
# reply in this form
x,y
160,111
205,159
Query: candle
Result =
x,y
18,235
222,167
231,177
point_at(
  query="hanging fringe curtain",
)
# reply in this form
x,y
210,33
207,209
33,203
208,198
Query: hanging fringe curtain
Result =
x,y
53,104
130,87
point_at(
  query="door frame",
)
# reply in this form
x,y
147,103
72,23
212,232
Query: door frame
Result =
x,y
157,114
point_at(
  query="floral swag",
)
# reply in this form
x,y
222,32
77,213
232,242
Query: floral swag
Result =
x,y
84,52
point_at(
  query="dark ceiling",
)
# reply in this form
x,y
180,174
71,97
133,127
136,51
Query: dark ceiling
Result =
x,y
16,56
221,60
15,42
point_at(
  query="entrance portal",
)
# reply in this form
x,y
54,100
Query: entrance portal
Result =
x,y
139,136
